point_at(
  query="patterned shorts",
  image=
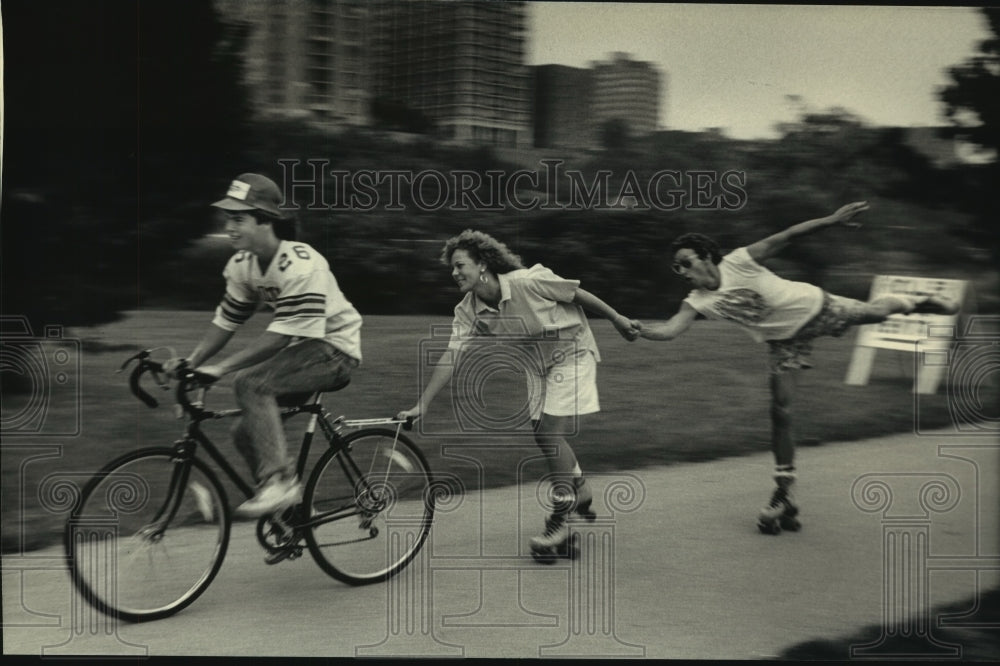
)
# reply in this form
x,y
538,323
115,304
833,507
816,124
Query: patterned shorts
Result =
x,y
836,316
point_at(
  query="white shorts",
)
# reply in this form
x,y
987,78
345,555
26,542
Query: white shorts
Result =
x,y
569,388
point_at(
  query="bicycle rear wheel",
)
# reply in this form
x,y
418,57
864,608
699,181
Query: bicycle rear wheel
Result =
x,y
148,535
371,506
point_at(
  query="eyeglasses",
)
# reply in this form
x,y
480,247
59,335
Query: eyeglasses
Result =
x,y
682,264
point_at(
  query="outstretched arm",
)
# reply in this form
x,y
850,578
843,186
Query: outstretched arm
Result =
x,y
624,325
768,247
670,329
439,379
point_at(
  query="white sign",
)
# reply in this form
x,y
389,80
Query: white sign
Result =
x,y
904,332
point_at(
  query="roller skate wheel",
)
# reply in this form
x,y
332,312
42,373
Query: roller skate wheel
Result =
x,y
769,527
543,556
790,523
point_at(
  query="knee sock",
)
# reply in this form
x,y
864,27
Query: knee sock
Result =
x,y
784,474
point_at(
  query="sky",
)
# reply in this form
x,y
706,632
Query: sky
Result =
x,y
735,66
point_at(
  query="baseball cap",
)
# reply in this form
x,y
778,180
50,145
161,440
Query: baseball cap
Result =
x,y
251,191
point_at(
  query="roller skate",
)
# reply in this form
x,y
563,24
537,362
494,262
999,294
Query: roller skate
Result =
x,y
780,513
937,304
923,303
557,541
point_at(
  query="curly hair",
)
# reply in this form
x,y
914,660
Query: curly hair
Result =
x,y
702,245
482,248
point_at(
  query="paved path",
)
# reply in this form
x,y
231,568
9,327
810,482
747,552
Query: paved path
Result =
x,y
678,570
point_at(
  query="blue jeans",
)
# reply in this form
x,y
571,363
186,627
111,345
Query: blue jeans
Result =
x,y
312,365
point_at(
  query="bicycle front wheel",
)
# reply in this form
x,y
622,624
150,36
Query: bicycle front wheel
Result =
x,y
371,506
148,535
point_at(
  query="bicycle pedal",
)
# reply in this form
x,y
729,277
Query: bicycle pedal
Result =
x,y
283,554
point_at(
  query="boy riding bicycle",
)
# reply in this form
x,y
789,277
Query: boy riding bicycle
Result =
x,y
312,343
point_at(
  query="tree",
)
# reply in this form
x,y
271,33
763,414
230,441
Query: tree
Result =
x,y
972,105
193,116
614,134
972,98
69,160
118,113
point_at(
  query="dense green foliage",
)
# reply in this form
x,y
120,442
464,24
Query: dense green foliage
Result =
x,y
972,104
108,176
385,253
119,118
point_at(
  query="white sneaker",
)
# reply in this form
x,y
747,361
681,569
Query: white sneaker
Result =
x,y
203,499
275,494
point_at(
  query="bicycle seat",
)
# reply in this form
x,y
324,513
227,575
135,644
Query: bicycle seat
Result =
x,y
337,387
293,399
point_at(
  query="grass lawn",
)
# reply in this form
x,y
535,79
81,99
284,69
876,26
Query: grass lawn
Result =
x,y
698,398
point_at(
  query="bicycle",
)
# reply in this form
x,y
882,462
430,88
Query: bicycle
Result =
x,y
150,530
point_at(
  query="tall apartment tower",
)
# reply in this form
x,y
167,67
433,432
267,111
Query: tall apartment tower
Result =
x,y
459,63
562,112
307,57
629,90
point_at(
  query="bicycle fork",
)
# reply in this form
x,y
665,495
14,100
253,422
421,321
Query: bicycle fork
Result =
x,y
184,451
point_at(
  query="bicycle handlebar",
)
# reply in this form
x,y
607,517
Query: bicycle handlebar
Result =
x,y
188,380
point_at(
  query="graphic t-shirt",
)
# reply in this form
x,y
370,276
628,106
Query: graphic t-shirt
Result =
x,y
766,306
299,287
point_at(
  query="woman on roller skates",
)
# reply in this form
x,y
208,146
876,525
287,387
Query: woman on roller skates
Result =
x,y
536,309
788,315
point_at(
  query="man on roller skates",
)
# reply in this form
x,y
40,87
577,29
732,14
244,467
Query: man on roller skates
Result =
x,y
788,315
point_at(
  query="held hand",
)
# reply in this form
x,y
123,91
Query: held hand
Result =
x,y
413,414
845,214
628,328
635,330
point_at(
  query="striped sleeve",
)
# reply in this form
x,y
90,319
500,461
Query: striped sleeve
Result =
x,y
300,310
233,311
238,303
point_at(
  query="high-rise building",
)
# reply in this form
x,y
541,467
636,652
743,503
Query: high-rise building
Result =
x,y
461,64
562,115
307,57
628,90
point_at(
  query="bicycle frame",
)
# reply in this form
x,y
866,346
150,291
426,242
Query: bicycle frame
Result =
x,y
196,436
319,415
187,447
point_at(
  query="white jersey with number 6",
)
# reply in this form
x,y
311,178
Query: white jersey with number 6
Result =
x,y
299,287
